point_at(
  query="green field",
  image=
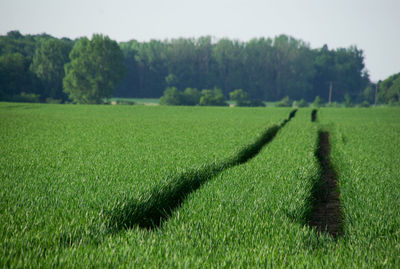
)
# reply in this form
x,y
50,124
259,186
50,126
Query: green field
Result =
x,y
85,186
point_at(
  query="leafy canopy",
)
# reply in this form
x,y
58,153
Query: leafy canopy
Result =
x,y
95,68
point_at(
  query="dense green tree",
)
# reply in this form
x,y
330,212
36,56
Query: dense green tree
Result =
x,y
229,56
191,97
325,72
389,90
172,97
15,76
240,97
213,97
368,95
15,42
292,67
48,65
267,69
96,66
16,52
351,78
171,80
258,69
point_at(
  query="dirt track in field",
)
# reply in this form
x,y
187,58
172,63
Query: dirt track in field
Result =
x,y
326,215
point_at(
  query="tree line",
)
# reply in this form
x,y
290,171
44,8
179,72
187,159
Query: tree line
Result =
x,y
44,68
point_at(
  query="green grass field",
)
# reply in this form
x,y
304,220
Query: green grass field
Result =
x,y
85,186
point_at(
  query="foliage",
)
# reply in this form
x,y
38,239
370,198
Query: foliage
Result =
x,y
213,97
265,68
256,103
191,97
48,65
171,97
347,101
285,102
171,80
301,103
242,99
17,52
15,76
389,89
368,94
365,104
239,96
26,98
96,66
318,102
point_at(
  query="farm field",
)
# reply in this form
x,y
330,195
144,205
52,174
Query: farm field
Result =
x,y
70,172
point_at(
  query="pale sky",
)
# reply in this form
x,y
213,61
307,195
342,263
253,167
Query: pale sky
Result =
x,y
371,25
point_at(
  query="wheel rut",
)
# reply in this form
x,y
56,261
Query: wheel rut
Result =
x,y
326,212
157,205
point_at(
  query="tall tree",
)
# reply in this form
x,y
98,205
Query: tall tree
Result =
x,y
259,69
48,65
96,66
15,76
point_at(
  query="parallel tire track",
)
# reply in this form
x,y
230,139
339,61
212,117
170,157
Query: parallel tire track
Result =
x,y
157,205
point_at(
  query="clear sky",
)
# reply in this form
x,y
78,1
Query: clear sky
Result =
x,y
371,25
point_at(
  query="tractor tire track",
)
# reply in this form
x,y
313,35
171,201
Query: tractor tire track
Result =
x,y
157,205
325,215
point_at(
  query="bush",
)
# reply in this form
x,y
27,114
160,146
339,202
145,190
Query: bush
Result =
x,y
318,102
347,101
191,97
365,104
242,99
301,103
51,100
26,98
213,97
333,104
256,102
171,97
285,102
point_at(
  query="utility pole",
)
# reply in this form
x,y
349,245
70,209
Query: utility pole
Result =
x,y
330,92
376,92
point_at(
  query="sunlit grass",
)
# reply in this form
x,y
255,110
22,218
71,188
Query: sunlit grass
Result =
x,y
65,167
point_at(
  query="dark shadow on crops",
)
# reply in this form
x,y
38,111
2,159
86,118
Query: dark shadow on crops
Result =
x,y
325,213
314,115
157,205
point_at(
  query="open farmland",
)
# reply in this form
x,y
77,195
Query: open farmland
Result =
x,y
74,178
